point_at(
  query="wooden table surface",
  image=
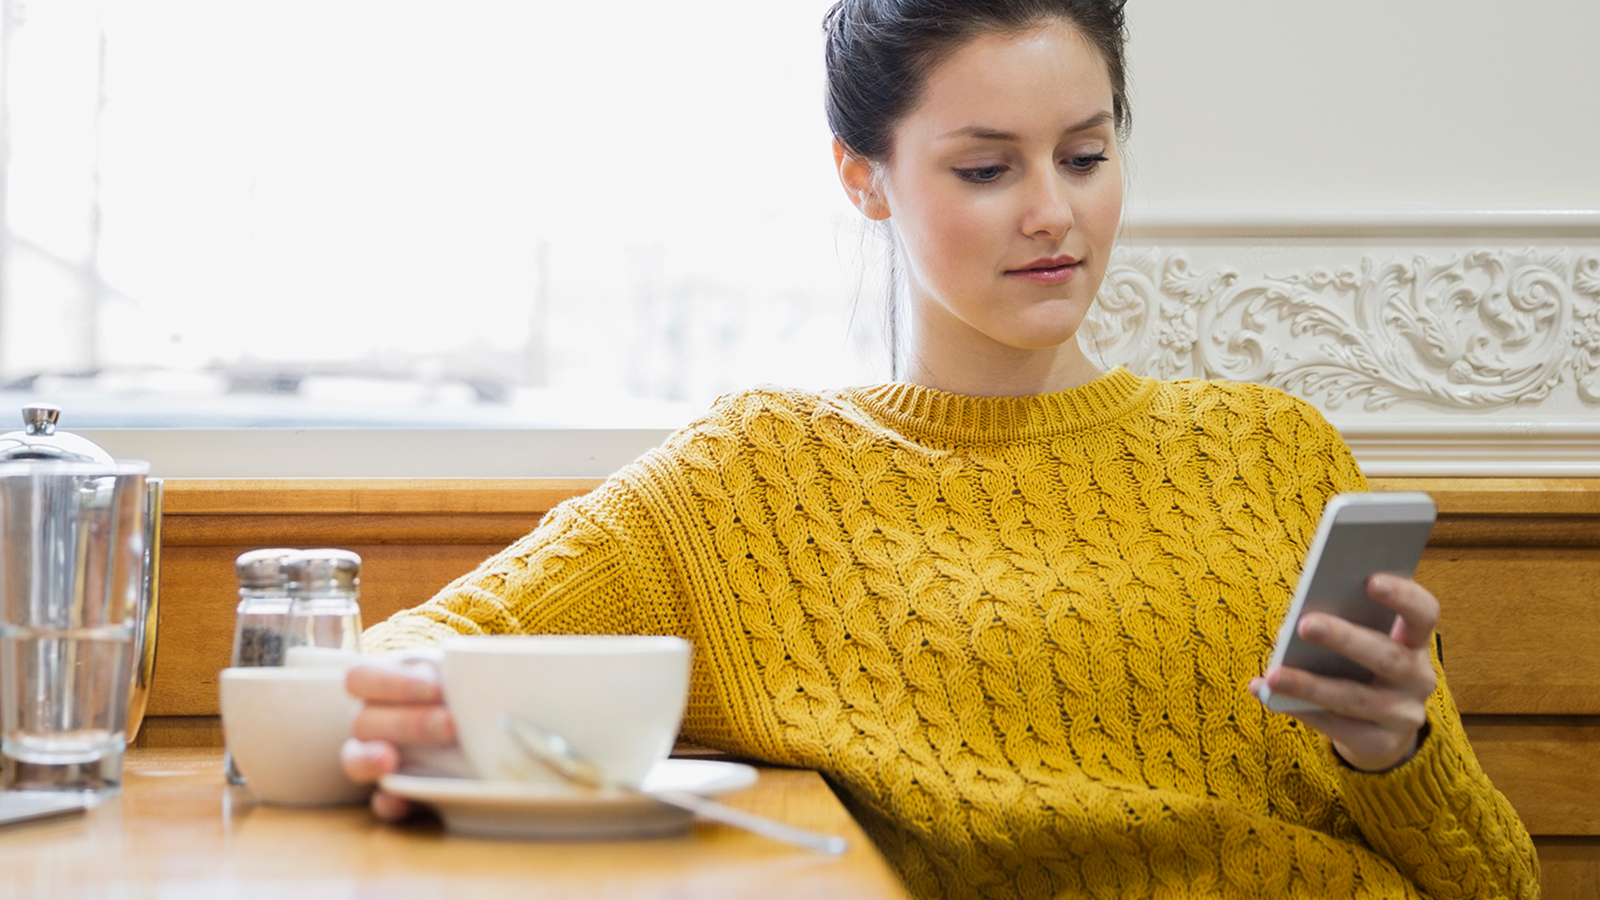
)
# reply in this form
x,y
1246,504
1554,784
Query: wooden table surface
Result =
x,y
178,831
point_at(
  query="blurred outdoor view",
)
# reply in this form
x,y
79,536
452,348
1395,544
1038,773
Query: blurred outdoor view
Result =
x,y
359,213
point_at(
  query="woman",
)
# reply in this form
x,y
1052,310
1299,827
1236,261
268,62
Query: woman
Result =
x,y
1014,608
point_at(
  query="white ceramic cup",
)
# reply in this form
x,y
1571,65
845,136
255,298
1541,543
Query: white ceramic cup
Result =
x,y
284,727
618,700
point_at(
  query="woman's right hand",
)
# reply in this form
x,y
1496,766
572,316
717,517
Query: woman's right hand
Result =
x,y
402,705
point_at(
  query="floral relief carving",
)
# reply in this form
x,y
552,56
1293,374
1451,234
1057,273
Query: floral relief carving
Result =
x,y
1586,336
1481,330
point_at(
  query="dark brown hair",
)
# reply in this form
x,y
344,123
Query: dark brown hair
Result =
x,y
879,54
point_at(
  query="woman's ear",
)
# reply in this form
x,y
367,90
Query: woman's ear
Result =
x,y
856,175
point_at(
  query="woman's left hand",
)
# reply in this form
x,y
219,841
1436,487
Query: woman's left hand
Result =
x,y
1373,726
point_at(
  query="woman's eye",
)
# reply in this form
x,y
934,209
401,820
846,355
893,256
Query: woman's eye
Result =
x,y
981,175
1083,165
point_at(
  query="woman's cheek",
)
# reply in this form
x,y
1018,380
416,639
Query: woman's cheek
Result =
x,y
946,244
969,234
1107,211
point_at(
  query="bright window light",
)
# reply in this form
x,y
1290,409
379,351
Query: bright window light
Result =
x,y
497,213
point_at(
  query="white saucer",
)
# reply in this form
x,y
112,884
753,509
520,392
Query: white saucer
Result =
x,y
513,809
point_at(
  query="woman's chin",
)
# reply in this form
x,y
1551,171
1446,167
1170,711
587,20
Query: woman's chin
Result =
x,y
1043,336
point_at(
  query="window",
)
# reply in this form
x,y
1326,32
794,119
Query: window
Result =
x,y
486,213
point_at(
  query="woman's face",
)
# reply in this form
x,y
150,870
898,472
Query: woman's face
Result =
x,y
1004,188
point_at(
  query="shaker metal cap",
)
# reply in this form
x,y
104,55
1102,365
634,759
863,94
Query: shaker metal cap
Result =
x,y
264,568
321,570
39,439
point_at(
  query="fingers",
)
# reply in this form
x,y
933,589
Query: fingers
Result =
x,y
388,807
1373,726
429,726
367,761
395,682
402,705
1375,704
1364,744
1392,662
1417,608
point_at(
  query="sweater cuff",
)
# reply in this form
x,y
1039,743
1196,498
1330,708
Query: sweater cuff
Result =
x,y
1410,794
404,633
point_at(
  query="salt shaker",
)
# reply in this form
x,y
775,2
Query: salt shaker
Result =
x,y
324,608
262,613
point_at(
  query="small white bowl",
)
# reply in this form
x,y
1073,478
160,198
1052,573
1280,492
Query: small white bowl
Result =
x,y
284,727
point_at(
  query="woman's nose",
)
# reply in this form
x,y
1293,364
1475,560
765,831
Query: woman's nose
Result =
x,y
1049,207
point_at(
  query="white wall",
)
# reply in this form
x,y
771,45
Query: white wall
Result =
x,y
1388,207
1366,103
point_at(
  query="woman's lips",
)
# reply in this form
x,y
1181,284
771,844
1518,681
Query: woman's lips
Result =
x,y
1052,271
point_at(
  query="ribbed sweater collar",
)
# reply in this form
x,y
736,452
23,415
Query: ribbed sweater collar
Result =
x,y
943,417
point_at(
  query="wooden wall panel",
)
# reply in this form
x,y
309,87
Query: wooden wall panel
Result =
x,y
1519,627
1569,867
1510,496
370,496
1547,766
180,731
327,530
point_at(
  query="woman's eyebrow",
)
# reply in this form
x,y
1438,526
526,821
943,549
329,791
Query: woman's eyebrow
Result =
x,y
985,133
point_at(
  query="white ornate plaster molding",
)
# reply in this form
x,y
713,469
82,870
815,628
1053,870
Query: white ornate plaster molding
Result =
x,y
1459,449
1494,347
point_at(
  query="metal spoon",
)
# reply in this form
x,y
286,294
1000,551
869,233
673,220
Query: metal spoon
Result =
x,y
551,750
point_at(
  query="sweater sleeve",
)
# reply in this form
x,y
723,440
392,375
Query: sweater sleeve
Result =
x,y
578,572
1437,818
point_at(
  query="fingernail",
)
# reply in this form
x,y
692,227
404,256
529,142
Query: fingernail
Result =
x,y
1314,629
1383,584
423,692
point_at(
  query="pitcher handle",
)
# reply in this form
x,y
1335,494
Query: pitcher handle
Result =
x,y
148,617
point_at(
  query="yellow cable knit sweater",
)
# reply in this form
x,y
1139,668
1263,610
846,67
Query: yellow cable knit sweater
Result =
x,y
1016,632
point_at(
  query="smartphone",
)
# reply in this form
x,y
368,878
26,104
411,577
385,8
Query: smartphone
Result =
x,y
1359,536
21,806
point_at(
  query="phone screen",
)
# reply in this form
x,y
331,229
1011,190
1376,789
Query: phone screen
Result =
x,y
1354,552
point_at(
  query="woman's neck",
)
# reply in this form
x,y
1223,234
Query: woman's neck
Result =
x,y
986,368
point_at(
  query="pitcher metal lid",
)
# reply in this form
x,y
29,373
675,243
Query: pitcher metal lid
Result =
x,y
39,439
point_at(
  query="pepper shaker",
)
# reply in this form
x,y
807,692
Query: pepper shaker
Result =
x,y
262,613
